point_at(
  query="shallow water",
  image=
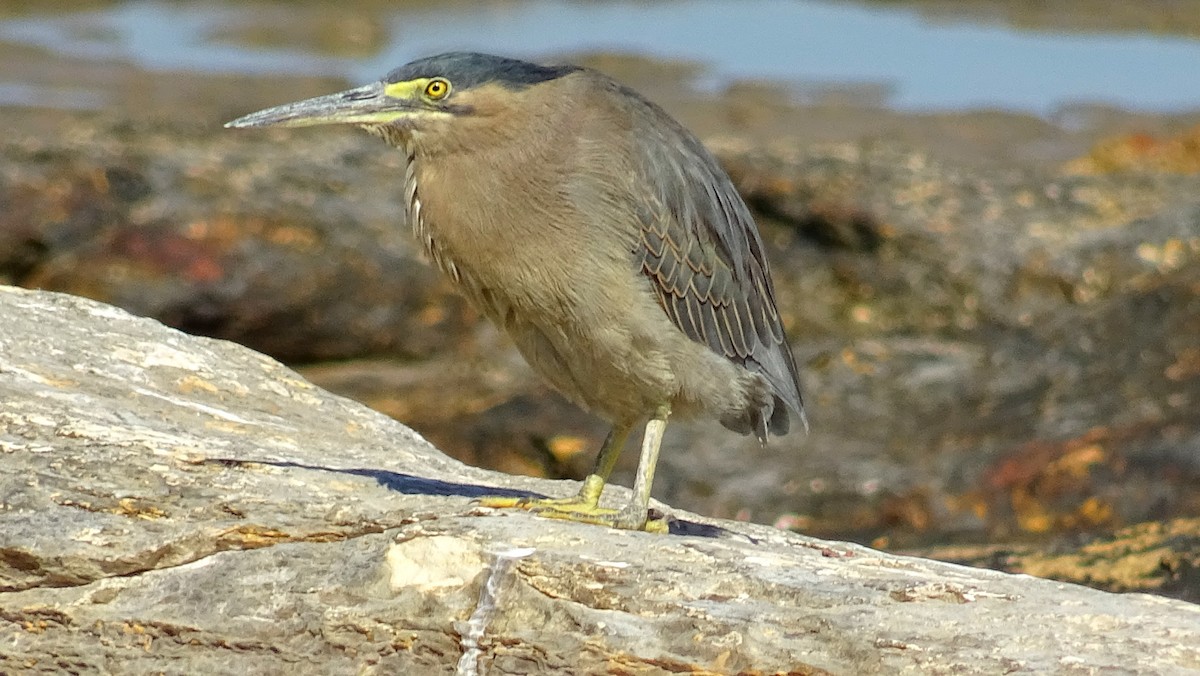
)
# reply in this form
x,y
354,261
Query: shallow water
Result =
x,y
891,54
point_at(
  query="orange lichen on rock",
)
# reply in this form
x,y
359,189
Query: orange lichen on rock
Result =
x,y
1178,154
1050,486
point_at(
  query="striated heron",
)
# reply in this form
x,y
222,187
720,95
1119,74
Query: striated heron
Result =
x,y
598,233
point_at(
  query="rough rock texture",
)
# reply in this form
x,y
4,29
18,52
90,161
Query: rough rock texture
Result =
x,y
184,505
1159,557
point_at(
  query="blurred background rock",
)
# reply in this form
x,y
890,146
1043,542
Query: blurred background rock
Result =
x,y
983,217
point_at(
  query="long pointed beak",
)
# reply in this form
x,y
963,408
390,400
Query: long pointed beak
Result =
x,y
364,105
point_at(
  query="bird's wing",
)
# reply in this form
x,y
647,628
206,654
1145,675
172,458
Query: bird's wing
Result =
x,y
702,252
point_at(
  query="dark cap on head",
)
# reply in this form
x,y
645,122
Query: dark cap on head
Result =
x,y
470,69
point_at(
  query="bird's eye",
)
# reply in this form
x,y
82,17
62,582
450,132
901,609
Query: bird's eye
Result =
x,y
437,89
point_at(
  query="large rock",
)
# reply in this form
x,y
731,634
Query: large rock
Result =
x,y
183,505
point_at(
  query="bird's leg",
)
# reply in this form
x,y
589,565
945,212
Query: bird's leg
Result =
x,y
606,460
585,505
588,497
634,516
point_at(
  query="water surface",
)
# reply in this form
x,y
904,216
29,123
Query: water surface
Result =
x,y
898,56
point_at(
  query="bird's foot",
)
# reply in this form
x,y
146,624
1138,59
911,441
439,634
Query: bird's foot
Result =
x,y
581,510
629,518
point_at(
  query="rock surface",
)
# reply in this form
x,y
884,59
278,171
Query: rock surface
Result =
x,y
1159,557
183,505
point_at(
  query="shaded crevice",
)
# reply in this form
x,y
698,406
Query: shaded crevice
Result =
x,y
241,538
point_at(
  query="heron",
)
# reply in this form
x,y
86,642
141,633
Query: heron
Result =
x,y
599,234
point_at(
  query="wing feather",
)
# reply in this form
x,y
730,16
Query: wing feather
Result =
x,y
702,251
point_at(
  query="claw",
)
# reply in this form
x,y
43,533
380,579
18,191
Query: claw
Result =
x,y
502,502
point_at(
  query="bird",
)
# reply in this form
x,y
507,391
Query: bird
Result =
x,y
599,234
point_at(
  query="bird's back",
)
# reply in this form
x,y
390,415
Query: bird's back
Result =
x,y
701,251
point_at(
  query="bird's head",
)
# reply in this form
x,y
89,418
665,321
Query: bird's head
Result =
x,y
424,98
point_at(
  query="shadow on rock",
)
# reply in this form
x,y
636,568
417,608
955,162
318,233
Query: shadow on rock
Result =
x,y
408,484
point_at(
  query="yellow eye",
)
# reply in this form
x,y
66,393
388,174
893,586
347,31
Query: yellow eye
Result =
x,y
437,89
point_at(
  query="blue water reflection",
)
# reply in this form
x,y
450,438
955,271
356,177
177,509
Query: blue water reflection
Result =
x,y
923,65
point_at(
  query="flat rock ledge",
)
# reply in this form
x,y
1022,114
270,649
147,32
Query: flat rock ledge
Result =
x,y
173,504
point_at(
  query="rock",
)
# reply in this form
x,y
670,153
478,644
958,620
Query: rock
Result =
x,y
1160,557
224,241
185,505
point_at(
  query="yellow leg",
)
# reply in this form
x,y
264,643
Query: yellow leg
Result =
x,y
634,515
585,506
593,486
